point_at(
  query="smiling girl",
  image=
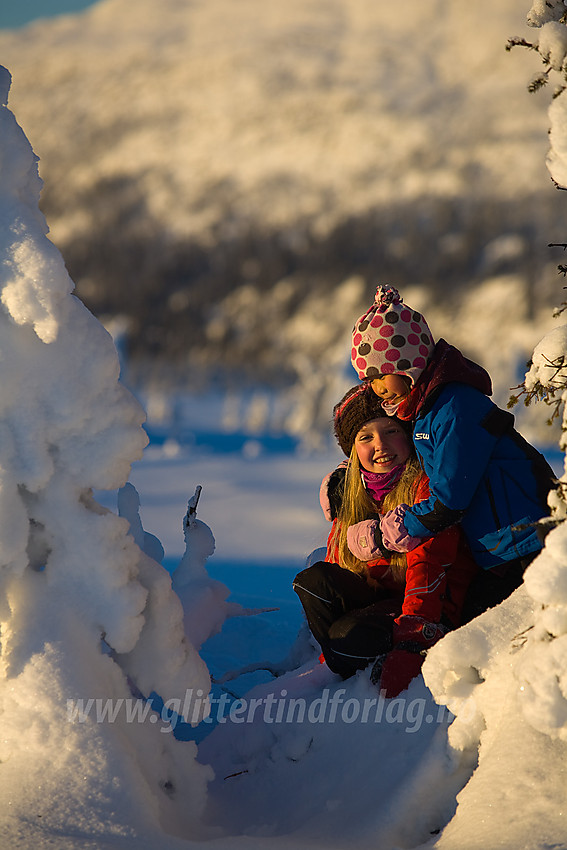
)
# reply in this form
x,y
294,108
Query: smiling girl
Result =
x,y
364,603
381,445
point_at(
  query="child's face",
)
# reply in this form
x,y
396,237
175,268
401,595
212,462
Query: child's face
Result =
x,y
381,445
392,388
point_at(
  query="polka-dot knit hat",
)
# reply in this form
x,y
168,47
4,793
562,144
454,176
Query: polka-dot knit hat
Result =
x,y
359,405
391,338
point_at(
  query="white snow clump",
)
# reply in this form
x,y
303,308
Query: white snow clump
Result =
x,y
71,573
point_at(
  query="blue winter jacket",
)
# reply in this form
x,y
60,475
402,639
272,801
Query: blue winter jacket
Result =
x,y
482,472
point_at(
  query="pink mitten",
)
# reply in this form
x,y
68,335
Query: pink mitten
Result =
x,y
394,532
364,540
324,498
324,492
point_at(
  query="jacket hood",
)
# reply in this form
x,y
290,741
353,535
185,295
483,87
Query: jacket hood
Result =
x,y
446,366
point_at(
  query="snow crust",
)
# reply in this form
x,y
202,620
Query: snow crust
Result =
x,y
557,157
543,11
551,42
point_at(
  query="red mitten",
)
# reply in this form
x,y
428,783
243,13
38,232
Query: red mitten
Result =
x,y
398,669
412,637
415,633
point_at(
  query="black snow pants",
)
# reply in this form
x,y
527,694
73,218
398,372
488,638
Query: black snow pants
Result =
x,y
490,587
351,620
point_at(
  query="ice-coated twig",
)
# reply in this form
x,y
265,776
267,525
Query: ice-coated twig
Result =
x,y
191,514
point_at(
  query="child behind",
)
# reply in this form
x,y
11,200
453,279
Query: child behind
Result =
x,y
482,473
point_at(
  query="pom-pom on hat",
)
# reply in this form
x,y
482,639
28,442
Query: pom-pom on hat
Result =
x,y
390,338
359,405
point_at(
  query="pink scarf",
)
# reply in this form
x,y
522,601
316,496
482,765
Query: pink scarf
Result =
x,y
379,484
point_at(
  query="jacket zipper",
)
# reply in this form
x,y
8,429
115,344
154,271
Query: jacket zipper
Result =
x,y
492,504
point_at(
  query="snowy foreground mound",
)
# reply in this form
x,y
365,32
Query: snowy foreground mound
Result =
x,y
355,770
470,756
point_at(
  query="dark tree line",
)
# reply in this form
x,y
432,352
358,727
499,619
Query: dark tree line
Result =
x,y
131,265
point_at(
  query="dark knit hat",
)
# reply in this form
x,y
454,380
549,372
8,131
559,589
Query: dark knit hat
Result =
x,y
391,338
359,405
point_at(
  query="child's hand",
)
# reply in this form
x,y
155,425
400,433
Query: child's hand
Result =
x,y
415,633
324,499
394,533
396,672
365,540
412,637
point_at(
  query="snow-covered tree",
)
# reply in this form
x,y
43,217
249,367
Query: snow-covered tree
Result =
x,y
549,17
86,617
547,376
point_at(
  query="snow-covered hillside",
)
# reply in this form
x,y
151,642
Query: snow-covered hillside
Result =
x,y
326,108
222,172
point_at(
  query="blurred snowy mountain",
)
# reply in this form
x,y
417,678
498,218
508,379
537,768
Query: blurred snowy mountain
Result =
x,y
233,179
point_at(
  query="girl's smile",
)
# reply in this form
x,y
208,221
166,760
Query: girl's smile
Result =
x,y
381,445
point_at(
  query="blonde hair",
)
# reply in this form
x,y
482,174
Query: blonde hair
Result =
x,y
357,505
